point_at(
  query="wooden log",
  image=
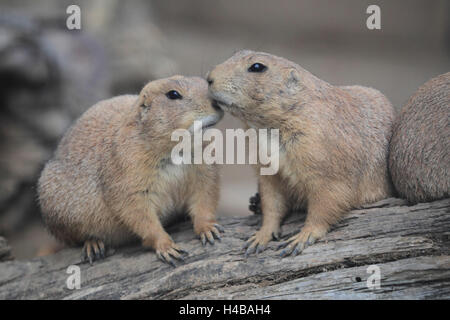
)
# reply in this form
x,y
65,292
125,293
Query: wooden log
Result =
x,y
409,244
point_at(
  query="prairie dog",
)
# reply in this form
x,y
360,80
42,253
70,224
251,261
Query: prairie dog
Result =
x,y
333,142
111,179
419,156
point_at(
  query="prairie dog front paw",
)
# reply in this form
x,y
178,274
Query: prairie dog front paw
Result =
x,y
208,231
167,250
258,242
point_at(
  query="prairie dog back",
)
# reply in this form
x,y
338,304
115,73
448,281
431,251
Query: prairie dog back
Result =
x,y
419,158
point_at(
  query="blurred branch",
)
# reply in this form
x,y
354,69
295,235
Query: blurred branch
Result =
x,y
5,250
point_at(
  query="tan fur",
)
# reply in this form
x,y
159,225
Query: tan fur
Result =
x,y
419,156
333,141
111,178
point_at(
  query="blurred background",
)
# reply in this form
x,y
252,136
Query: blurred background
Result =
x,y
49,75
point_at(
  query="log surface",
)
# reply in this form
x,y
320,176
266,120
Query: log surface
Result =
x,y
410,245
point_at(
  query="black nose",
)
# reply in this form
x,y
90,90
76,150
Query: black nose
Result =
x,y
210,81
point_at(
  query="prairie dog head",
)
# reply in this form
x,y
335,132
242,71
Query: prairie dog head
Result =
x,y
175,103
258,87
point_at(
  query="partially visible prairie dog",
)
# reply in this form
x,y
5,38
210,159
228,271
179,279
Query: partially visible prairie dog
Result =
x,y
333,142
112,181
419,156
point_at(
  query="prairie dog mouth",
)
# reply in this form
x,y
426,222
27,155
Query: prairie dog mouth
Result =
x,y
221,104
207,121
216,106
211,120
227,106
220,100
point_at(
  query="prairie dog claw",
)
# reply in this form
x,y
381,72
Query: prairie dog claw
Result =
x,y
93,249
210,232
299,242
171,252
258,242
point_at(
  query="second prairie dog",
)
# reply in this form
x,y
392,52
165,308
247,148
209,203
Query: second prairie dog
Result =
x,y
419,156
333,142
111,180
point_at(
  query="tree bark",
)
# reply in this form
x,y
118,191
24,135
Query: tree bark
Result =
x,y
409,244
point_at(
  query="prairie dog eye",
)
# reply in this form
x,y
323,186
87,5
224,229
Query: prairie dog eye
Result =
x,y
173,95
257,67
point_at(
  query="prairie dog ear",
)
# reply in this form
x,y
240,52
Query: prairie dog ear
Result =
x,y
292,78
144,101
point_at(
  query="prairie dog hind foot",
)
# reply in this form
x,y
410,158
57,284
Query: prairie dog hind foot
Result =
x,y
299,242
167,250
258,242
208,231
93,250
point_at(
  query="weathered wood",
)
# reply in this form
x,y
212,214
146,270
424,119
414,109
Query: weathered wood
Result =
x,y
410,245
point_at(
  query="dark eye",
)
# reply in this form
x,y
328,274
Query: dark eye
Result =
x,y
173,94
257,67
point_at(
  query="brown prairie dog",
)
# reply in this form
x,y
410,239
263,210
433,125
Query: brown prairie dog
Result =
x,y
333,142
419,154
111,180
